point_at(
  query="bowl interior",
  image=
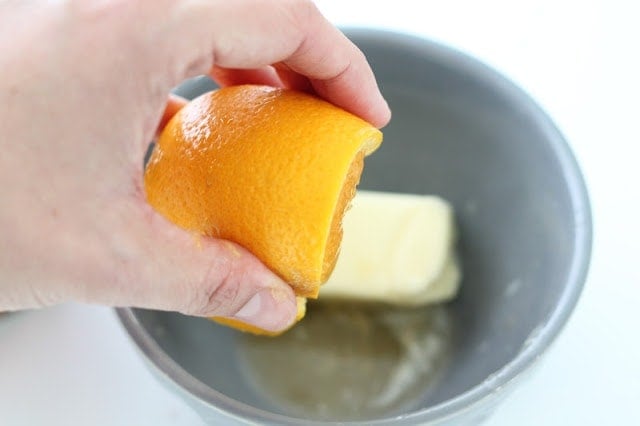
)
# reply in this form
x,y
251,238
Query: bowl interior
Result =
x,y
462,132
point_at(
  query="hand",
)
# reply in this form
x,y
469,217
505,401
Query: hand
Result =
x,y
83,87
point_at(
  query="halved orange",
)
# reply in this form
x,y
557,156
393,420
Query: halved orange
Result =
x,y
271,169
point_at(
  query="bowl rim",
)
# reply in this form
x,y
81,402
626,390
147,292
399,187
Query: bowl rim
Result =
x,y
539,340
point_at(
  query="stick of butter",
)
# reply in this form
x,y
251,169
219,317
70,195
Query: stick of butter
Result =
x,y
397,249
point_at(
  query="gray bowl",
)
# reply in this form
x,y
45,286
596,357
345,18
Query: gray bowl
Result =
x,y
462,131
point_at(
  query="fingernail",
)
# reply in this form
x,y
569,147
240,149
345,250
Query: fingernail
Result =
x,y
271,309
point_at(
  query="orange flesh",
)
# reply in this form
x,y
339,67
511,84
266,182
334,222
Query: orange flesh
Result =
x,y
335,234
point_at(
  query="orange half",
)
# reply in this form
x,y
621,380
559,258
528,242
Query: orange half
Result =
x,y
271,169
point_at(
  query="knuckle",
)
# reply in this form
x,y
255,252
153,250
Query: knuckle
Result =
x,y
216,292
302,13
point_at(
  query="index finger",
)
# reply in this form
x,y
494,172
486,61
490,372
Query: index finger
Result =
x,y
250,34
339,71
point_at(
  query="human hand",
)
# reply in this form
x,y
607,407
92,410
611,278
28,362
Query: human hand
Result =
x,y
83,87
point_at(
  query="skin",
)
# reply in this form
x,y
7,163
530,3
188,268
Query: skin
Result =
x,y
83,88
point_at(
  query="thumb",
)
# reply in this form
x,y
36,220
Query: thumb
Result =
x,y
202,276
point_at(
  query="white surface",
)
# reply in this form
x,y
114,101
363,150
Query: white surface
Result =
x,y
73,365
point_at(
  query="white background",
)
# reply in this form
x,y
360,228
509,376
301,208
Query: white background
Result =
x,y
580,60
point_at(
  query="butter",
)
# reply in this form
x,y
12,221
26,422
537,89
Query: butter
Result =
x,y
397,249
